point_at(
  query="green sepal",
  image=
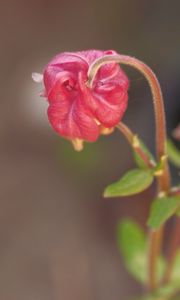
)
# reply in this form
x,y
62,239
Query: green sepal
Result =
x,y
133,182
173,153
162,209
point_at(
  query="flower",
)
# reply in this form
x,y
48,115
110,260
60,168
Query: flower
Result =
x,y
75,111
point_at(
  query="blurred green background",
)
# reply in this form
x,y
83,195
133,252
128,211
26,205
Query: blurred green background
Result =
x,y
57,233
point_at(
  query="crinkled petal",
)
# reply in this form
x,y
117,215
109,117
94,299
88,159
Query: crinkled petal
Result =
x,y
75,111
107,103
106,112
70,118
62,64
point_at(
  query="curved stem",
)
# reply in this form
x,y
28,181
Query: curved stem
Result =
x,y
126,131
135,144
164,180
155,237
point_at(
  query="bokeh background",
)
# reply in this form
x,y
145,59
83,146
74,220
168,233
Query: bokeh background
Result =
x,y
57,233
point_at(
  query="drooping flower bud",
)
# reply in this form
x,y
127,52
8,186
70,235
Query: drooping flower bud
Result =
x,y
77,112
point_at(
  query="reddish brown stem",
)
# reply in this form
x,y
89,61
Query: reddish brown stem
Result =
x,y
164,180
125,130
155,237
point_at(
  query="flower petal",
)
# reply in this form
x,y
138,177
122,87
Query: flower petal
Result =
x,y
106,112
75,111
70,118
65,64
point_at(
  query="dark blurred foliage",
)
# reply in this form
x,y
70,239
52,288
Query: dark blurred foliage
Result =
x,y
57,233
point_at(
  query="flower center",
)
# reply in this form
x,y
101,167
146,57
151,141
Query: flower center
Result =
x,y
70,85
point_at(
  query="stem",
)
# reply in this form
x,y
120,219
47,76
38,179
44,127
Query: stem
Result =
x,y
134,143
126,131
163,181
155,245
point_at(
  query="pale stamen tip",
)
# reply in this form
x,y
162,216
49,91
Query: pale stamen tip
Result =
x,y
77,144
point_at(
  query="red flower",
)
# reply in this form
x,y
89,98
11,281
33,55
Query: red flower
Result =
x,y
75,111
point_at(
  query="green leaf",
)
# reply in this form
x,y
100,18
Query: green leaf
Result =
x,y
139,161
173,153
133,182
162,209
133,246
130,237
